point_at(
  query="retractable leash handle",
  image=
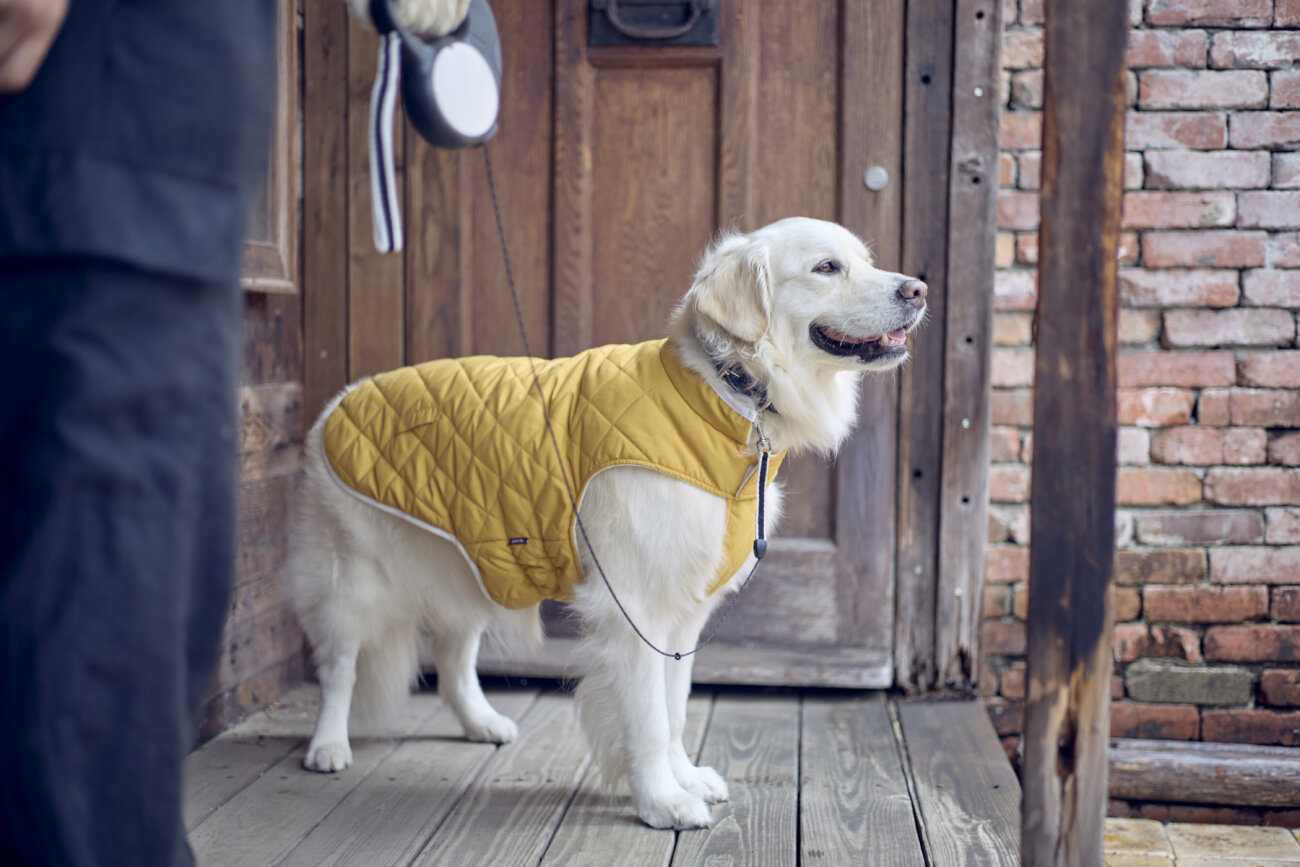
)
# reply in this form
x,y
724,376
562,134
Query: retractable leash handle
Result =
x,y
451,88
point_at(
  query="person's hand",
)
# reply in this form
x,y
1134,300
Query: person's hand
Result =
x,y
27,29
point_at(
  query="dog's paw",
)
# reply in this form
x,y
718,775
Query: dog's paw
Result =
x,y
705,783
680,810
327,758
495,729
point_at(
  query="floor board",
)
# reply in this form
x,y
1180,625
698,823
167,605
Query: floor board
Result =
x,y
815,778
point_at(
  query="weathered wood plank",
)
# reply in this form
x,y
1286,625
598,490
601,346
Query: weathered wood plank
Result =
x,y
513,807
854,806
968,341
928,96
771,665
248,647
1204,773
324,218
753,742
601,826
272,339
966,791
249,695
226,764
394,811
267,819
262,527
1073,490
572,315
271,430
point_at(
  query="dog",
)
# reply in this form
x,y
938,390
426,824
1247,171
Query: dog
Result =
x,y
776,330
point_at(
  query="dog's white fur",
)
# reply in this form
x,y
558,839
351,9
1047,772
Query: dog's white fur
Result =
x,y
367,583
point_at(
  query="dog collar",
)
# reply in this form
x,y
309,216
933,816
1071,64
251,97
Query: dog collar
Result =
x,y
742,383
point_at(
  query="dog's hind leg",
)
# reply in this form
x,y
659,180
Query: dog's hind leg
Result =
x,y
337,670
456,652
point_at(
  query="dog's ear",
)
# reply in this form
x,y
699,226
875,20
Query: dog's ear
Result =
x,y
733,287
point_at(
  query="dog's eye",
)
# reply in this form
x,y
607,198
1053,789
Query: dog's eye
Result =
x,y
827,266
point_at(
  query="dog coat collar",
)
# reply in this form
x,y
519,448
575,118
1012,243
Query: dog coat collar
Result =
x,y
742,383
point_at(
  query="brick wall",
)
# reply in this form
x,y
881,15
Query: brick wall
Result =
x,y
1207,596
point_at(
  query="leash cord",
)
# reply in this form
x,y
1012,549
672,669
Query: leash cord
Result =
x,y
555,443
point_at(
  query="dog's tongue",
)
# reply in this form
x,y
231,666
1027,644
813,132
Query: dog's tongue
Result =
x,y
897,335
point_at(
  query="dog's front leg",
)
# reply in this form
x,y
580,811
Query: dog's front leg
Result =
x,y
624,706
703,782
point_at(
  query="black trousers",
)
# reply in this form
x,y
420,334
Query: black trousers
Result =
x,y
117,499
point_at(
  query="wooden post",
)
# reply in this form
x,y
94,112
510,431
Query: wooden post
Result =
x,y
1073,493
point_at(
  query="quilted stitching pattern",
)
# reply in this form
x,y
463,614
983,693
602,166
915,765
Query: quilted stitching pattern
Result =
x,y
461,445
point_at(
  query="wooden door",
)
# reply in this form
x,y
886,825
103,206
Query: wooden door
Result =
x,y
615,166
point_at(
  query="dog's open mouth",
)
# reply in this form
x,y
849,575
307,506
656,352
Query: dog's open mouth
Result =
x,y
866,348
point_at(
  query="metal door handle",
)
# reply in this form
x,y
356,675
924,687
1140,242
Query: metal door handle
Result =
x,y
635,31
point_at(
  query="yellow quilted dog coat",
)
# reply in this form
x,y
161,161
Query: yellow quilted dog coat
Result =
x,y
459,446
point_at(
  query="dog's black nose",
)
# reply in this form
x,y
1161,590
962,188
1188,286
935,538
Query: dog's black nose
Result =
x,y
913,290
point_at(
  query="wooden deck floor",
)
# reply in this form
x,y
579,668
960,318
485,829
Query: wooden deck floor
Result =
x,y
816,778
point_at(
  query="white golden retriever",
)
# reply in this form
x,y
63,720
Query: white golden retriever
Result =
x,y
801,308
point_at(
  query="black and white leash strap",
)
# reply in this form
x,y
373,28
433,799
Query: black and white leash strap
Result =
x,y
387,212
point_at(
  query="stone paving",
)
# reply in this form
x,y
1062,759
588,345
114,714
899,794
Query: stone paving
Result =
x,y
1147,843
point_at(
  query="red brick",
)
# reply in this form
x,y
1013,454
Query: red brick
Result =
x,y
1004,445
1219,527
1029,167
1283,526
1261,642
1286,604
1031,11
1027,89
1176,722
1148,48
1139,287
1244,50
1009,483
1005,715
1285,250
1256,564
1022,49
1015,290
1138,327
1204,604
1157,210
1168,566
1199,815
1021,131
1155,407
1128,248
1204,249
1233,327
1284,90
1003,637
1284,449
1265,407
1210,13
1004,251
1185,88
1132,641
988,682
1269,369
1127,603
997,601
1012,367
1013,328
1253,486
1197,130
1013,682
1188,369
1270,209
1270,288
1006,564
1280,687
1017,210
1006,170
1215,407
1288,13
1199,170
1254,130
1251,727
1205,446
1014,406
1134,446
1020,602
1286,167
